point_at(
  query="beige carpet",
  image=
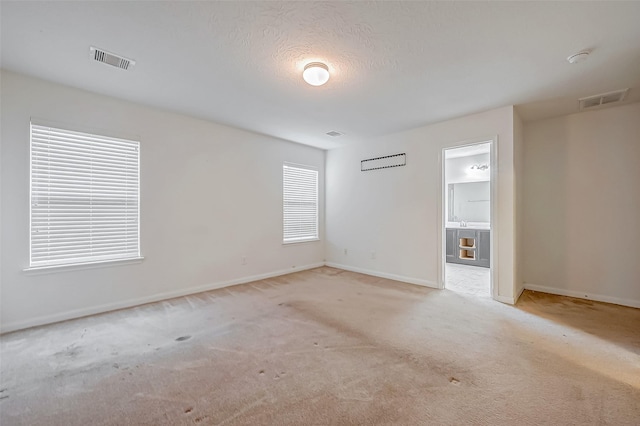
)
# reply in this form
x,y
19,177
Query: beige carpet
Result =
x,y
327,347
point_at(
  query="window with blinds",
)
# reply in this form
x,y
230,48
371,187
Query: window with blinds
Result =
x,y
84,198
300,209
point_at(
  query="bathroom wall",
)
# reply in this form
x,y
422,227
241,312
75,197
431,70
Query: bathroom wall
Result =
x,y
459,169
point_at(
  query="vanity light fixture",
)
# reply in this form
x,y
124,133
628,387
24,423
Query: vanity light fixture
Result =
x,y
316,73
481,167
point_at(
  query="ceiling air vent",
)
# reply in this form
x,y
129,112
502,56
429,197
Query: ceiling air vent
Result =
x,y
602,99
334,134
110,58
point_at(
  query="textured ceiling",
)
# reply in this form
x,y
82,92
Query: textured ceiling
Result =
x,y
394,65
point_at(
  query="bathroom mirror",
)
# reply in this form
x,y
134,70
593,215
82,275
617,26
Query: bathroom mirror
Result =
x,y
469,201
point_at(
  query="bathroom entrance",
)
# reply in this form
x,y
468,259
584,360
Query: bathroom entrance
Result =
x,y
467,213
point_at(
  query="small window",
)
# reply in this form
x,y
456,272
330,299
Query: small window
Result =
x,y
300,209
84,198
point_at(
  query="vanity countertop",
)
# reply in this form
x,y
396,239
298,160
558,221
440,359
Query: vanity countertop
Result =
x,y
470,225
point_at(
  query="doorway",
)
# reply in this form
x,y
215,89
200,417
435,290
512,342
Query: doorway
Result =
x,y
468,201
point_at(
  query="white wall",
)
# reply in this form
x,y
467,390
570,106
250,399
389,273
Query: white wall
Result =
x,y
457,169
582,205
210,194
397,213
519,165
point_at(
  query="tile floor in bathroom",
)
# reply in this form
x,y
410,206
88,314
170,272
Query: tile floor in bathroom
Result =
x,y
465,279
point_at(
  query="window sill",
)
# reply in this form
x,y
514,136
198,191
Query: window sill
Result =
x,y
48,269
307,240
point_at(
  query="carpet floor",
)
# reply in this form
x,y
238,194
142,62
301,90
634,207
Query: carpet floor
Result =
x,y
329,347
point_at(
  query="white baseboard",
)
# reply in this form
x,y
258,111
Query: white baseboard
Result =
x,y
77,313
510,300
410,280
583,295
505,299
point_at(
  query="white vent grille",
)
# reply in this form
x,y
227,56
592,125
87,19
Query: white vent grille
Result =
x,y
395,160
602,99
111,58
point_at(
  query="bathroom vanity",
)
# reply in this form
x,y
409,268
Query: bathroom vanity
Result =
x,y
468,245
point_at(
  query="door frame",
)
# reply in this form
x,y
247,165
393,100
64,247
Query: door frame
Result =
x,y
493,206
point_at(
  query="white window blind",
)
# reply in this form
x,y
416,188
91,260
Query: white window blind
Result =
x,y
300,195
84,198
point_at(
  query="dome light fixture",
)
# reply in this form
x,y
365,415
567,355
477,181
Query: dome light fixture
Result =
x,y
316,73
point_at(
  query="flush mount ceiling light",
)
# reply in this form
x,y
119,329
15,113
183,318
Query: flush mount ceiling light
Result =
x,y
578,57
316,73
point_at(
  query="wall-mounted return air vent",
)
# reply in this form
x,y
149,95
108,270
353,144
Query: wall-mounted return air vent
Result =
x,y
395,160
109,58
602,99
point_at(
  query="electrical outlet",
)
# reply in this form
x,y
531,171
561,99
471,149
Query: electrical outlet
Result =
x,y
373,255
346,252
243,260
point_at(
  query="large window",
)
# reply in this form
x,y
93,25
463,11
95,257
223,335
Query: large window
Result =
x,y
300,209
84,198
